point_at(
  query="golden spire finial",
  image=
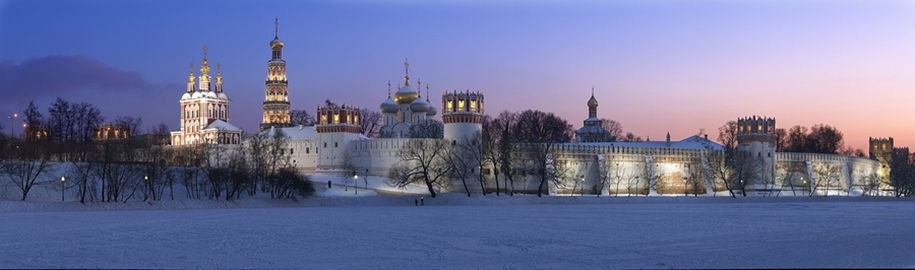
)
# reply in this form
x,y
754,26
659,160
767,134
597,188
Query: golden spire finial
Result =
x,y
276,29
205,67
389,88
190,77
406,68
218,72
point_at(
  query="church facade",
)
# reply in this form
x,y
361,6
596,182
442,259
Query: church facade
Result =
x,y
205,110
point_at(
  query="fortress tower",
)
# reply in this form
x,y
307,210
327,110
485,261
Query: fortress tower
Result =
x,y
756,135
336,127
462,114
880,149
276,102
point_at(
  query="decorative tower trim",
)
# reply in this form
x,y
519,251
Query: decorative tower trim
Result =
x,y
333,118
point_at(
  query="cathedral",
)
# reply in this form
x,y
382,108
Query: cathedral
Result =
x,y
406,109
205,110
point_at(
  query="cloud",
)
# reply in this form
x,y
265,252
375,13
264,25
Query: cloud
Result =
x,y
58,75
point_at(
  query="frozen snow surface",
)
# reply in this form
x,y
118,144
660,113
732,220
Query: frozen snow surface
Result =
x,y
387,231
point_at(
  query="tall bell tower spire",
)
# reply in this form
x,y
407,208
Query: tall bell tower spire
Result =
x,y
276,101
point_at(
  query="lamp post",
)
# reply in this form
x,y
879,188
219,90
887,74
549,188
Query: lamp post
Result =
x,y
355,183
148,189
63,189
582,185
366,179
11,122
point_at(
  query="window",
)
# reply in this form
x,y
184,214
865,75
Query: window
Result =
x,y
325,145
335,145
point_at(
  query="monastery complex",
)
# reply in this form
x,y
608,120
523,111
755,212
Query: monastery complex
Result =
x,y
593,163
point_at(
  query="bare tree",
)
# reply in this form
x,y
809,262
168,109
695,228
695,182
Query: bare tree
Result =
x,y
505,147
539,132
612,126
789,172
694,180
301,118
427,129
629,137
871,184
489,147
28,167
902,173
826,176
654,175
422,161
633,181
465,157
370,122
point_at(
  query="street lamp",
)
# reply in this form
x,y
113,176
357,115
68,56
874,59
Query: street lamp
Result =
x,y
366,179
11,122
63,189
582,185
355,183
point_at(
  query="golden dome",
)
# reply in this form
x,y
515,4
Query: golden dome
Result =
x,y
592,103
405,95
276,44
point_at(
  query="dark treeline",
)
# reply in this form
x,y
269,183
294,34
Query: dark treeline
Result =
x,y
117,161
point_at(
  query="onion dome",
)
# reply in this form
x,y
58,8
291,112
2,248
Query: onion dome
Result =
x,y
186,96
197,94
223,96
276,43
419,105
211,94
388,106
592,103
432,109
405,95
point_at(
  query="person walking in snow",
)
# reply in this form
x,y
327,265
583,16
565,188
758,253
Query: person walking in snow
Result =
x,y
415,202
421,201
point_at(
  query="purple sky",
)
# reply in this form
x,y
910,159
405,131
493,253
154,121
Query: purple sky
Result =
x,y
656,66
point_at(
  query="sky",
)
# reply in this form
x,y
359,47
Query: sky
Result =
x,y
655,66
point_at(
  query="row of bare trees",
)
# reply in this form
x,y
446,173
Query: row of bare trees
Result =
x,y
65,146
512,143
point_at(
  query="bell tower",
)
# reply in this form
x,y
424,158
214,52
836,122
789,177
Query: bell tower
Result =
x,y
276,102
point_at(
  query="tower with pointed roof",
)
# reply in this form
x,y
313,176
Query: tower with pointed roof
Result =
x,y
593,130
276,102
205,110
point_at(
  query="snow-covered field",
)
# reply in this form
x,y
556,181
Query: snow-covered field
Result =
x,y
453,231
